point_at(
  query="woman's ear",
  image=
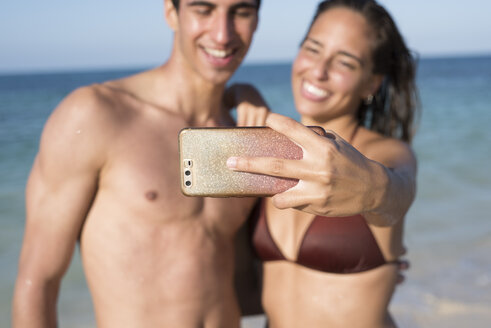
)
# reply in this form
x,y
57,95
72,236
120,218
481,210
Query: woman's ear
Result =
x,y
374,84
170,13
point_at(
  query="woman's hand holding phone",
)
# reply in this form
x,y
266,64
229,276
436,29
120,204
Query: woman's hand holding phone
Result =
x,y
335,179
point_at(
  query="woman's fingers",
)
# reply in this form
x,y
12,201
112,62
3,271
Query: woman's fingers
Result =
x,y
403,265
241,116
292,198
279,167
262,114
251,119
297,132
251,115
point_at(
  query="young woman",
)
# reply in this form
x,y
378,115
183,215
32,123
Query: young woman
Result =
x,y
330,245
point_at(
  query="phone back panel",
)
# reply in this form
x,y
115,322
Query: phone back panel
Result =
x,y
204,153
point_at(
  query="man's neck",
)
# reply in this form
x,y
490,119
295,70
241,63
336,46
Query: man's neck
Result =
x,y
200,102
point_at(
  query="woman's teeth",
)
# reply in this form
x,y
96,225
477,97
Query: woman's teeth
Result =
x,y
310,88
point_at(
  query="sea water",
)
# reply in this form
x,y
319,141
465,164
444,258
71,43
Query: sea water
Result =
x,y
448,228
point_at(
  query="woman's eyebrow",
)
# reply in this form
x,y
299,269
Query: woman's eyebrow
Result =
x,y
340,52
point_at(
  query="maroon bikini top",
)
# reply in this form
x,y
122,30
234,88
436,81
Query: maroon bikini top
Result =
x,y
330,244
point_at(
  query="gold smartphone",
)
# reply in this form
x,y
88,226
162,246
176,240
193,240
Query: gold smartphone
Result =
x,y
203,153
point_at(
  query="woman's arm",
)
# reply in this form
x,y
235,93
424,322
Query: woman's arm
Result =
x,y
395,163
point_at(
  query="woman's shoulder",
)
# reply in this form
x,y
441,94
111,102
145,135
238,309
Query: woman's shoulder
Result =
x,y
382,148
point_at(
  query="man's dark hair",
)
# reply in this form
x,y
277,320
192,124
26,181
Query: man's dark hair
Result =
x,y
176,4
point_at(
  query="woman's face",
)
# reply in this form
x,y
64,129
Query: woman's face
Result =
x,y
333,69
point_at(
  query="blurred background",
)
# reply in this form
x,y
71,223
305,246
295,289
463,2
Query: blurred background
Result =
x,y
47,49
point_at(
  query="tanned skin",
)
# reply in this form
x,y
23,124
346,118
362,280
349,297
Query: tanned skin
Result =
x,y
107,176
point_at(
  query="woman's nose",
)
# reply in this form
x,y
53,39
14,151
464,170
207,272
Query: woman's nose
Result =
x,y
320,69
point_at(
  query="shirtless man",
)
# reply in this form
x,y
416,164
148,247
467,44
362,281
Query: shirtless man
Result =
x,y
107,175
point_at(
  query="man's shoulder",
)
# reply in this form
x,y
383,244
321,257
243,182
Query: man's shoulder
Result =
x,y
89,100
85,109
74,108
76,126
105,95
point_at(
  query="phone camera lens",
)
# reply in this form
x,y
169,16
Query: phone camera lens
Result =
x,y
187,172
188,183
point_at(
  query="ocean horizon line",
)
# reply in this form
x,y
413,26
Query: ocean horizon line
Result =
x,y
251,63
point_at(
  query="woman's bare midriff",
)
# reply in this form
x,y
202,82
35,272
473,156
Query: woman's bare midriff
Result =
x,y
296,296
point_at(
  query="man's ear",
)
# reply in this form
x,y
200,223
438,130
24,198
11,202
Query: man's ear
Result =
x,y
170,13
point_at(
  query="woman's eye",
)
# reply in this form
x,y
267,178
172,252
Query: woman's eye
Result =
x,y
346,64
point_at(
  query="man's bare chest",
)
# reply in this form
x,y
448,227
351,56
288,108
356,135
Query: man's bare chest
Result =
x,y
142,172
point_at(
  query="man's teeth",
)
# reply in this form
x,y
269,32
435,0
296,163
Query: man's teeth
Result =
x,y
314,90
218,53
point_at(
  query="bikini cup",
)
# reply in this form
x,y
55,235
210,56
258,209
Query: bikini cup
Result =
x,y
330,244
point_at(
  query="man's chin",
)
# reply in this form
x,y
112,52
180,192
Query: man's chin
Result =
x,y
220,77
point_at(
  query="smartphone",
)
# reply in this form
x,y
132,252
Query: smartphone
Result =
x,y
203,153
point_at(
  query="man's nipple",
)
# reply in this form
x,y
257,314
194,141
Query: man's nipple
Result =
x,y
151,195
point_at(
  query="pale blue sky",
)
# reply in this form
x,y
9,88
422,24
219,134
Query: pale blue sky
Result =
x,y
90,34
